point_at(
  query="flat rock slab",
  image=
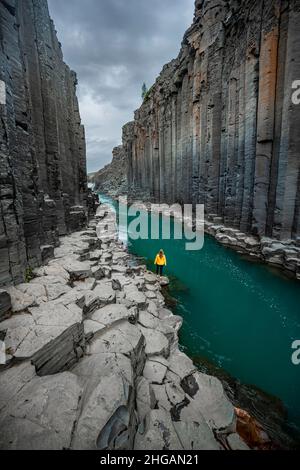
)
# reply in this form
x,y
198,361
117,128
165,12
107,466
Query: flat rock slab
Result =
x,y
150,278
157,433
53,286
87,284
105,292
20,301
180,365
122,339
134,297
106,317
147,320
107,406
56,314
111,314
235,442
196,436
155,370
41,415
13,380
156,343
48,336
207,396
78,270
54,269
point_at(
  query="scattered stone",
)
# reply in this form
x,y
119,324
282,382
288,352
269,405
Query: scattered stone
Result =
x,y
164,281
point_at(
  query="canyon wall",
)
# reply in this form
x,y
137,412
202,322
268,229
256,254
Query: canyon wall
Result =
x,y
43,190
112,179
219,126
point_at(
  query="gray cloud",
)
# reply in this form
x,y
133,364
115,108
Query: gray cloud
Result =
x,y
114,46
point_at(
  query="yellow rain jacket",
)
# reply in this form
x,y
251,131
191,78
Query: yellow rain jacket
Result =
x,y
161,261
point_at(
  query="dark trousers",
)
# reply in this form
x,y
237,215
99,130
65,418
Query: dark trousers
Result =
x,y
159,270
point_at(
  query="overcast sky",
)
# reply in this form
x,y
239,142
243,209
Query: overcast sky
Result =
x,y
115,46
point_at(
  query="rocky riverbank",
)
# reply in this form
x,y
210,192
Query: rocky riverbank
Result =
x,y
93,359
282,255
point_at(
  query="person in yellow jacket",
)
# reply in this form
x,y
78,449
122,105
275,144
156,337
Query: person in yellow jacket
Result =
x,y
160,262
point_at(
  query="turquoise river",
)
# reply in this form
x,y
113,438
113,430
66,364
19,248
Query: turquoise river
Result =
x,y
240,318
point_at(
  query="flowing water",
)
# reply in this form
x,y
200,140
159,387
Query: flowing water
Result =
x,y
239,317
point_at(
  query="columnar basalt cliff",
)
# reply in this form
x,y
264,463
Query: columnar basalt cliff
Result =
x,y
43,190
219,126
112,179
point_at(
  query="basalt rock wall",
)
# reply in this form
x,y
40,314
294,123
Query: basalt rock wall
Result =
x,y
112,179
43,187
219,126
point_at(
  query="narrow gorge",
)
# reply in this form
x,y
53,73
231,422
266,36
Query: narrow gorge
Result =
x,y
219,128
96,351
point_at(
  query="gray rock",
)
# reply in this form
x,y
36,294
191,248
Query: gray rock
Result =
x,y
145,398
41,414
48,336
157,433
134,296
156,343
19,300
107,409
236,443
78,270
98,272
105,292
208,397
12,381
196,436
87,284
5,303
156,369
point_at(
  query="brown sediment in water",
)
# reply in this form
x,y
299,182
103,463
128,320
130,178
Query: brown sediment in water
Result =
x,y
261,417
